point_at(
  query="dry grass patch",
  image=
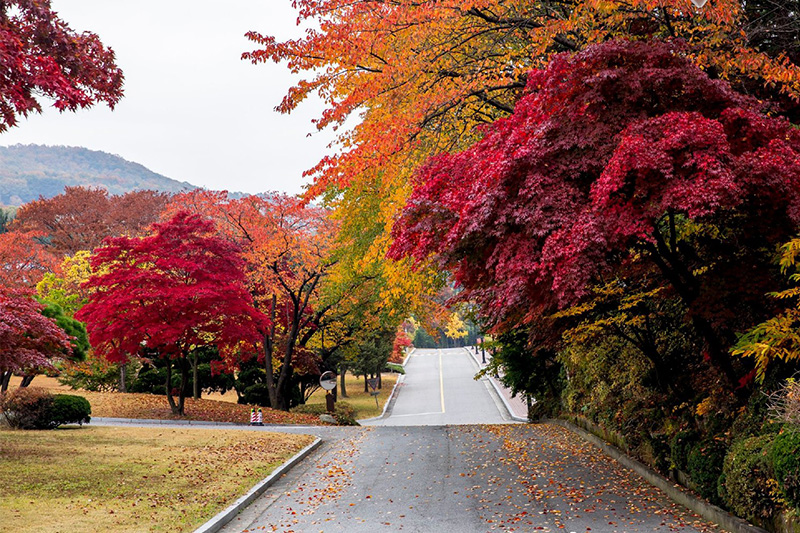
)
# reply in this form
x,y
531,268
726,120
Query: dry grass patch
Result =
x,y
131,479
362,402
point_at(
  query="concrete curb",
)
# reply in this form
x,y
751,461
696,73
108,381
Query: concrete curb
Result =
x,y
677,493
497,389
155,422
408,355
392,398
216,523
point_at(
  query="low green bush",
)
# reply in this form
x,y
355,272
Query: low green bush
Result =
x,y
345,414
680,446
27,408
704,466
310,409
69,409
746,479
785,458
394,367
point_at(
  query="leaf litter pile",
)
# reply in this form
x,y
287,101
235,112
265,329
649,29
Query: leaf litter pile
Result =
x,y
151,406
131,479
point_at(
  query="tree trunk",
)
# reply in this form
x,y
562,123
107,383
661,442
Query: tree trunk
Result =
x,y
27,379
366,385
380,381
170,399
195,381
342,387
184,364
5,379
123,377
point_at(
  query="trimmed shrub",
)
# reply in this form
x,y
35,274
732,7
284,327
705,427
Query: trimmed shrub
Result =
x,y
746,479
310,409
394,367
27,408
704,466
785,459
344,414
69,409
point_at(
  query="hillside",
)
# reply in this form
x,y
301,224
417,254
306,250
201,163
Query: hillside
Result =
x,y
28,171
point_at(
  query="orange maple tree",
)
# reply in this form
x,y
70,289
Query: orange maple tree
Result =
x,y
23,259
422,74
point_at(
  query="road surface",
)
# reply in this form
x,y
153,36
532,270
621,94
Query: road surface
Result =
x,y
448,460
439,389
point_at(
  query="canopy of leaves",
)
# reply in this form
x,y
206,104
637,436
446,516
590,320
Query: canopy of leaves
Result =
x,y
42,56
80,218
29,339
180,287
608,146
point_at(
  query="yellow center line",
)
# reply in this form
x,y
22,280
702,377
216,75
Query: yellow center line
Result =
x,y
441,381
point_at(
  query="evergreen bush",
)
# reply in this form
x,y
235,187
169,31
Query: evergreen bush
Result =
x,y
745,484
785,458
69,409
704,466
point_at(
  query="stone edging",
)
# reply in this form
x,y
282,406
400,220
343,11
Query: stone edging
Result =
x,y
496,387
678,494
216,523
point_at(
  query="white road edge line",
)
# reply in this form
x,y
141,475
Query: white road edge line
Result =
x,y
441,381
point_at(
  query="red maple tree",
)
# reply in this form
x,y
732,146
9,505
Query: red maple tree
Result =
x,y
42,56
29,339
167,293
623,151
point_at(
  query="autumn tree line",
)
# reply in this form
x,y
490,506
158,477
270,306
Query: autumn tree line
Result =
x,y
612,191
170,287
609,189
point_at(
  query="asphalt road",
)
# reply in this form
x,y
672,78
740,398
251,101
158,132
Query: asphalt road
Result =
x,y
439,389
403,474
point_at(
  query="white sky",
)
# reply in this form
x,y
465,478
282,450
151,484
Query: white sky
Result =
x,y
193,110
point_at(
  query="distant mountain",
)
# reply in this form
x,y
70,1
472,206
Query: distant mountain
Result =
x,y
28,171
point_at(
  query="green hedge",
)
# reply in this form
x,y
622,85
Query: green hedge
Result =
x,y
745,484
704,466
785,458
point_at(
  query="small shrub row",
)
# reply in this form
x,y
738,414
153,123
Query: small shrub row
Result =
x,y
36,408
343,412
396,368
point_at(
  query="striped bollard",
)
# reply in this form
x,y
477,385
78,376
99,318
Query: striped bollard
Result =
x,y
253,416
260,419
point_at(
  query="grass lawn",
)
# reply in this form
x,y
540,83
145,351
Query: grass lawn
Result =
x,y
362,402
130,479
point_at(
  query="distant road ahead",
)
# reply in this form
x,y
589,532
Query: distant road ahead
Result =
x,y
439,389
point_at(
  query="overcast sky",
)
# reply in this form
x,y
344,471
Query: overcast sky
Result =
x,y
193,110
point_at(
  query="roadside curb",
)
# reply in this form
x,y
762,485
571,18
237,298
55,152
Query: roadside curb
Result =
x,y
389,402
408,355
216,523
156,422
677,493
497,389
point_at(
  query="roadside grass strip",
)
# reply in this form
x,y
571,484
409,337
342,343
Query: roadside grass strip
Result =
x,y
362,402
131,479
